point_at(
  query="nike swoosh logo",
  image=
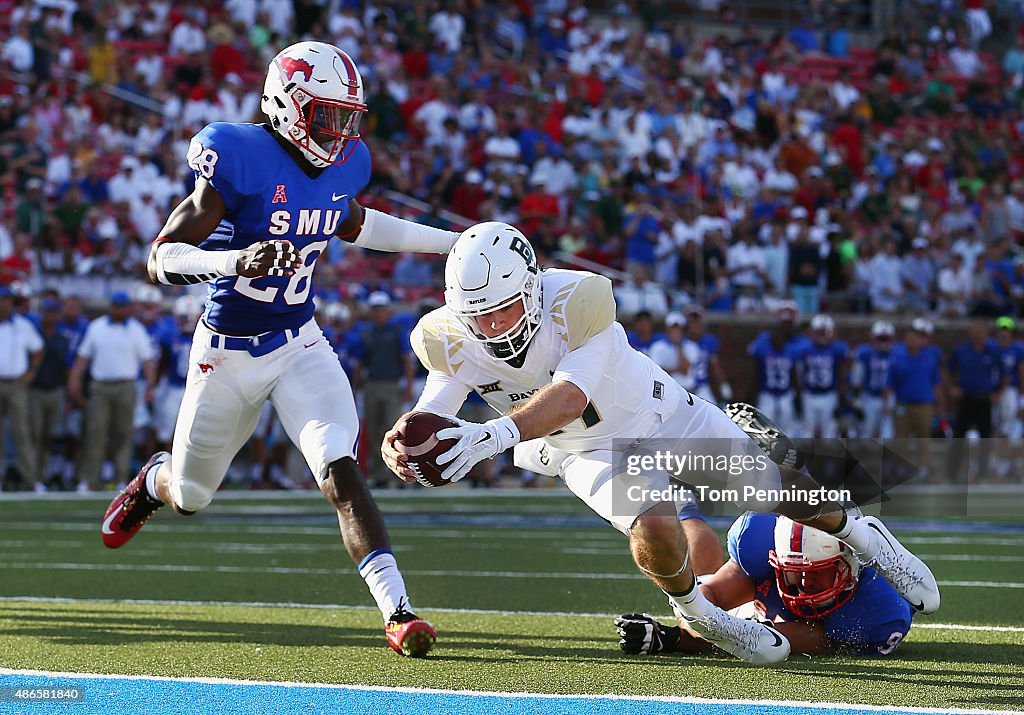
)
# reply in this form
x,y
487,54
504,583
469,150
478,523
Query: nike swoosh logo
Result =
x,y
336,197
916,606
778,638
109,520
311,344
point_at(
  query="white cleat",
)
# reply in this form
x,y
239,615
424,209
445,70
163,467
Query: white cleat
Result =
x,y
908,574
747,640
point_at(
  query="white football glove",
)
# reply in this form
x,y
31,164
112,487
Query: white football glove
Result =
x,y
476,442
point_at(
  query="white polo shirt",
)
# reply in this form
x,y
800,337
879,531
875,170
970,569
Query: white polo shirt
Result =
x,y
116,351
18,339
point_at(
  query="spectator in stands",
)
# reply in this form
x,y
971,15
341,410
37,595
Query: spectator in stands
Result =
x,y
918,276
885,283
746,264
954,287
412,270
115,348
837,39
20,355
805,268
964,60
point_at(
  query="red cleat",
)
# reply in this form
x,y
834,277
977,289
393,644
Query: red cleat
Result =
x,y
131,508
409,634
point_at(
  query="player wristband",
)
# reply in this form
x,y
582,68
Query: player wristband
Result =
x,y
185,264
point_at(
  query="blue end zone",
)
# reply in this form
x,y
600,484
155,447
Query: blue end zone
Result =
x,y
108,695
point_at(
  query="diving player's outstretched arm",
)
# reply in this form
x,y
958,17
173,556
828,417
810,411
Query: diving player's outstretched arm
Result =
x,y
374,229
176,259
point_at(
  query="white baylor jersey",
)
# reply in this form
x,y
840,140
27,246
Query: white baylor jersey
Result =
x,y
628,400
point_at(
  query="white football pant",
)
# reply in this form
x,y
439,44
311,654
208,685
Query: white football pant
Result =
x,y
225,392
820,414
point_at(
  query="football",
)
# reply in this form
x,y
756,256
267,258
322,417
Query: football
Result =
x,y
419,436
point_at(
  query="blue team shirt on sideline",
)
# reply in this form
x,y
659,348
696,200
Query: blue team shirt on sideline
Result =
x,y
913,378
819,365
176,347
709,346
268,196
775,367
876,368
74,332
977,372
1010,357
871,623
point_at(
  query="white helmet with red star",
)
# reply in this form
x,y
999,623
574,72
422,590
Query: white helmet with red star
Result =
x,y
314,99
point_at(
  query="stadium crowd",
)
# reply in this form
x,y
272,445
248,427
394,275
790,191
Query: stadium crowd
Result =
x,y
734,171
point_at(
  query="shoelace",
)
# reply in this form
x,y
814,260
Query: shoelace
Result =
x,y
892,566
401,615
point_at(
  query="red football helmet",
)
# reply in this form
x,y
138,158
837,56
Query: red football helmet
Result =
x,y
815,573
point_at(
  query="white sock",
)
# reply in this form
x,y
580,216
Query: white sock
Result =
x,y
151,481
692,604
855,534
380,571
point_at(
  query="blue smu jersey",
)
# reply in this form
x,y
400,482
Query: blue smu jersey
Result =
x,y
875,365
1009,359
775,367
74,332
176,347
708,345
268,196
872,622
819,366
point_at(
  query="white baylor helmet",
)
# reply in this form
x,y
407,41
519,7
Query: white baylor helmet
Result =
x,y
816,573
490,267
314,98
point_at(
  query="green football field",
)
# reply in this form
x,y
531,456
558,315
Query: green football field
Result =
x,y
521,586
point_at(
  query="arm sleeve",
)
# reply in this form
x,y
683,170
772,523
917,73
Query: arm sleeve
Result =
x,y
442,394
384,232
586,365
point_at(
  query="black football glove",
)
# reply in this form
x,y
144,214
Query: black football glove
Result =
x,y
641,634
